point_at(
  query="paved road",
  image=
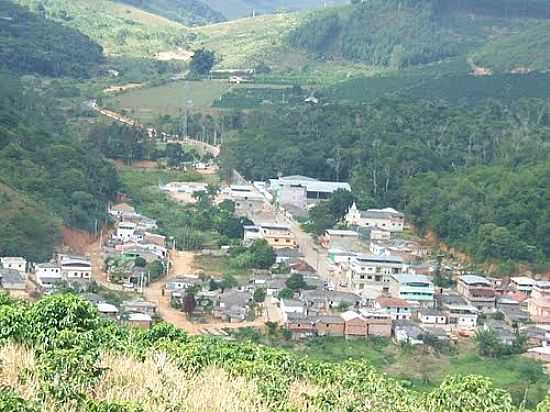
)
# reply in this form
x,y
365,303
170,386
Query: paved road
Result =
x,y
314,254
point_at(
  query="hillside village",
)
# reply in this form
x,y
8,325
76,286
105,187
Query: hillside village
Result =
x,y
368,277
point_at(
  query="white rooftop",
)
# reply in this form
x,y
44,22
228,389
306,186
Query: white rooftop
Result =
x,y
350,315
139,317
106,308
523,280
337,232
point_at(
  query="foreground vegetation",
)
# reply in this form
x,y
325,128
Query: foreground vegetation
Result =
x,y
59,354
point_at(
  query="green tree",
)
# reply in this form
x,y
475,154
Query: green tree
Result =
x,y
259,295
296,282
202,62
155,270
140,262
488,343
263,254
286,293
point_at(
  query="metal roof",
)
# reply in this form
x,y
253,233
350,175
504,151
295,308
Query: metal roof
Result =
x,y
410,278
473,279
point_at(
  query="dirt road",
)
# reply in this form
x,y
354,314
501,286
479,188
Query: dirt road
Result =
x,y
180,263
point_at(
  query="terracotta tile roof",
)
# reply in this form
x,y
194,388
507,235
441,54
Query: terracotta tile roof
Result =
x,y
519,296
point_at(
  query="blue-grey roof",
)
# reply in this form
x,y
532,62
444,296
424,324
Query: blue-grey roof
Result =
x,y
474,279
410,278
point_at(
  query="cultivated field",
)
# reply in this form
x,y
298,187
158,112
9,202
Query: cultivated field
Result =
x,y
171,99
246,42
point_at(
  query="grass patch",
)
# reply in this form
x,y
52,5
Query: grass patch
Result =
x,y
218,266
245,42
171,99
121,29
423,369
332,349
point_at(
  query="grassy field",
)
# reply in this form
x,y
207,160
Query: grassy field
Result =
x,y
169,99
121,29
219,266
425,369
246,42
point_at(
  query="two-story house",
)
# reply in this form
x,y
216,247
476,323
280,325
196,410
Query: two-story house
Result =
x,y
75,267
414,288
478,292
395,307
48,275
373,272
278,235
387,219
15,263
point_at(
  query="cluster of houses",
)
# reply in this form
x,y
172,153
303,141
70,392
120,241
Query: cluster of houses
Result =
x,y
133,238
17,274
232,305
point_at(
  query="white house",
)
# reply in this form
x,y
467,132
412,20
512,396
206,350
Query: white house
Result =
x,y
342,239
428,316
373,272
48,275
251,233
291,306
127,231
523,284
121,209
387,219
380,234
16,263
397,308
462,316
75,267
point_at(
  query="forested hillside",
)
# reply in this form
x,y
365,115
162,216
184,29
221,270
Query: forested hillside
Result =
x,y
243,8
520,52
60,354
384,150
400,33
31,44
56,175
188,12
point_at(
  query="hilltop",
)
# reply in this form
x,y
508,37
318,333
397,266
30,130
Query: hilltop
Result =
x,y
398,34
188,12
121,29
233,9
31,44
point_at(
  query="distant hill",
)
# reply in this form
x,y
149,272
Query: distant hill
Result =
x,y
524,51
232,9
121,29
397,33
31,44
188,12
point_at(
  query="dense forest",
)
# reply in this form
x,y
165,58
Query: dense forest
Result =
x,y
388,148
400,33
31,44
378,32
61,175
188,12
